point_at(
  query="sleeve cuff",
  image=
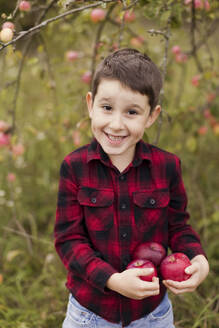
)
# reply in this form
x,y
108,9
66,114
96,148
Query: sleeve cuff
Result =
x,y
98,278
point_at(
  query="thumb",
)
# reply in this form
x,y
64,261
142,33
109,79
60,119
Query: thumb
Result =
x,y
191,269
144,271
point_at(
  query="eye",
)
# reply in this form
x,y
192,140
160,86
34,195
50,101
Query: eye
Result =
x,y
107,107
132,112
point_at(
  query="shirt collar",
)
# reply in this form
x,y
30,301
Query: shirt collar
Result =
x,y
96,152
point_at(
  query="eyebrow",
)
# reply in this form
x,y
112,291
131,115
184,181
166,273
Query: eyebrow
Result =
x,y
105,99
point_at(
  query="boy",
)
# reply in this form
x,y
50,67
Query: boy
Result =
x,y
116,193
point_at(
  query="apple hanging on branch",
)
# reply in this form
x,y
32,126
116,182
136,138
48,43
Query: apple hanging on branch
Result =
x,y
24,6
8,25
6,35
97,15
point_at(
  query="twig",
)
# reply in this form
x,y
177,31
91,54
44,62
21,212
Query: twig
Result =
x,y
166,35
193,43
209,32
18,224
132,4
25,52
70,2
49,70
17,88
121,27
98,36
24,234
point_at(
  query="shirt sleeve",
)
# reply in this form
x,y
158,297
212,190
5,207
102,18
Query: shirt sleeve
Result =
x,y
182,237
71,238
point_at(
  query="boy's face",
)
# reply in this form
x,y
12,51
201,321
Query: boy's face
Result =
x,y
119,117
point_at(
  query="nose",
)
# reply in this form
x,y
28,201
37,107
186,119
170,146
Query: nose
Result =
x,y
116,122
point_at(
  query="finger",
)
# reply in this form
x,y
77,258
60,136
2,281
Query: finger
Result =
x,y
189,284
151,286
179,291
155,279
144,272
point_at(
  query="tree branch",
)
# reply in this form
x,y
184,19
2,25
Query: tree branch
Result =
x,y
50,20
193,43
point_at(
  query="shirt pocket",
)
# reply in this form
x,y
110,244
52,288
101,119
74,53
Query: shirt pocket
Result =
x,y
97,207
150,207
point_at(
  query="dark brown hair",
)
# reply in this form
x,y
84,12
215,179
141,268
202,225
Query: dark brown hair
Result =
x,y
132,69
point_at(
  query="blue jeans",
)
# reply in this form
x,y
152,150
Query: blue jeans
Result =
x,y
78,316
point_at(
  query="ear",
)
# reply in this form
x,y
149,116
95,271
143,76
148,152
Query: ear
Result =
x,y
89,103
153,116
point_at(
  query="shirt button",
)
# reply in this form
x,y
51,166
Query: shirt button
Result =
x,y
152,201
124,235
122,178
123,206
93,200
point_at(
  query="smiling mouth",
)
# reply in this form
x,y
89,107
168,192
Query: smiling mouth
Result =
x,y
115,138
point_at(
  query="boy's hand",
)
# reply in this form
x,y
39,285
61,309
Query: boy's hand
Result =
x,y
198,270
129,284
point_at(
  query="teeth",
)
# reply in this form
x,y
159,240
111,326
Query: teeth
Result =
x,y
114,138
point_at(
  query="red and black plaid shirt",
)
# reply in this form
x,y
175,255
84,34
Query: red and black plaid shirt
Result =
x,y
102,215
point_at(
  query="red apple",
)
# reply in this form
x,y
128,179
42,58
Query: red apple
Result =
x,y
137,41
86,77
181,58
4,139
216,129
139,263
97,15
6,35
195,80
203,130
173,267
24,6
207,113
11,177
129,16
198,4
210,97
207,5
150,251
176,50
4,126
71,55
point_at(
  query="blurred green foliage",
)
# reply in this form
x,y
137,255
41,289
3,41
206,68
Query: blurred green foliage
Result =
x,y
42,99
